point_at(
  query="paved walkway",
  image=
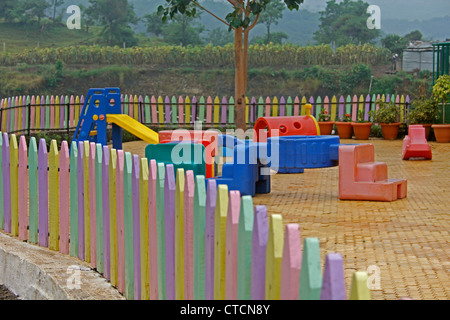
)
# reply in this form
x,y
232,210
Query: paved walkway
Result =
x,y
408,239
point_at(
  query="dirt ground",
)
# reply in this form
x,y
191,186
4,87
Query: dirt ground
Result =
x,y
5,294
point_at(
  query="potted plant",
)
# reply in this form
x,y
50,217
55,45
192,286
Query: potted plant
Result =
x,y
325,125
361,128
387,116
344,127
424,111
441,93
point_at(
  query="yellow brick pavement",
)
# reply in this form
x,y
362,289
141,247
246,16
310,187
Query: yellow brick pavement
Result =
x,y
408,239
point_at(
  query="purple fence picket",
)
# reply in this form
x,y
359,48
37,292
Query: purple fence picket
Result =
x,y
341,107
210,209
194,109
23,189
8,116
333,285
367,107
223,118
167,113
6,184
311,101
43,108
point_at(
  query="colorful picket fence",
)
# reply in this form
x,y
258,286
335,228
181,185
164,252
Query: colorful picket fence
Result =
x,y
155,233
29,114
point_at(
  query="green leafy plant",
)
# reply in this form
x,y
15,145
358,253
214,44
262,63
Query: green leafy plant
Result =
x,y
387,112
441,92
360,118
347,118
424,110
324,115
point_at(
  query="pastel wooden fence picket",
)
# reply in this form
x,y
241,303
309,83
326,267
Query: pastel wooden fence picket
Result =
x,y
159,234
31,114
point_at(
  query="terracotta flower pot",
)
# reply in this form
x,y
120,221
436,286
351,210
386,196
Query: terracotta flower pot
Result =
x,y
442,132
344,129
390,130
325,127
361,130
427,127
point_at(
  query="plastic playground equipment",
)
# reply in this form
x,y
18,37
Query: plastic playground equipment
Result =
x,y
265,127
361,178
415,144
103,106
280,144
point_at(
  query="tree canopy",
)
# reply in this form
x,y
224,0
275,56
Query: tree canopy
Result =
x,y
115,16
242,17
344,23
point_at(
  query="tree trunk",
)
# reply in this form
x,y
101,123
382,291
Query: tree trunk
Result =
x,y
239,81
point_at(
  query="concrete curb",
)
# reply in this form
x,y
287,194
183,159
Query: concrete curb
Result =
x,y
35,273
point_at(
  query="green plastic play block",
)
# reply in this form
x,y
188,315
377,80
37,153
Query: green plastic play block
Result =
x,y
185,155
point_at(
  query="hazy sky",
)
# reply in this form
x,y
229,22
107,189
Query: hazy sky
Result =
x,y
391,9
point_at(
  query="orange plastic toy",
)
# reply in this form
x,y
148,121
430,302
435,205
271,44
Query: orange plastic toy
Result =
x,y
361,178
286,126
415,144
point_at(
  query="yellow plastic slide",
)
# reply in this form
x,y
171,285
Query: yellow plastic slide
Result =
x,y
134,127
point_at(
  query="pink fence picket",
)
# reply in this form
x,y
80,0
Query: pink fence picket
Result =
x,y
211,196
64,191
259,245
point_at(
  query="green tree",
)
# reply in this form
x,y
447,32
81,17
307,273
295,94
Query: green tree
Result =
x,y
55,5
219,37
275,37
115,16
395,43
415,35
242,17
154,24
7,11
183,30
272,13
345,23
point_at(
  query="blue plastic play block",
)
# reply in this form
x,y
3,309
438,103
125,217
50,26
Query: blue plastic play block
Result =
x,y
186,155
297,153
245,172
228,143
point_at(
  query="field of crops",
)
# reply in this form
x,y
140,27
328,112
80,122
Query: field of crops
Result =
x,y
259,55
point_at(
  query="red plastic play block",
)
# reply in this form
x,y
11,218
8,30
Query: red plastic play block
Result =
x,y
415,144
361,178
186,135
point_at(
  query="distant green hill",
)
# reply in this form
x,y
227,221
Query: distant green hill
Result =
x,y
18,37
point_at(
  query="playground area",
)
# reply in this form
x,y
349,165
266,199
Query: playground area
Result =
x,y
406,239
